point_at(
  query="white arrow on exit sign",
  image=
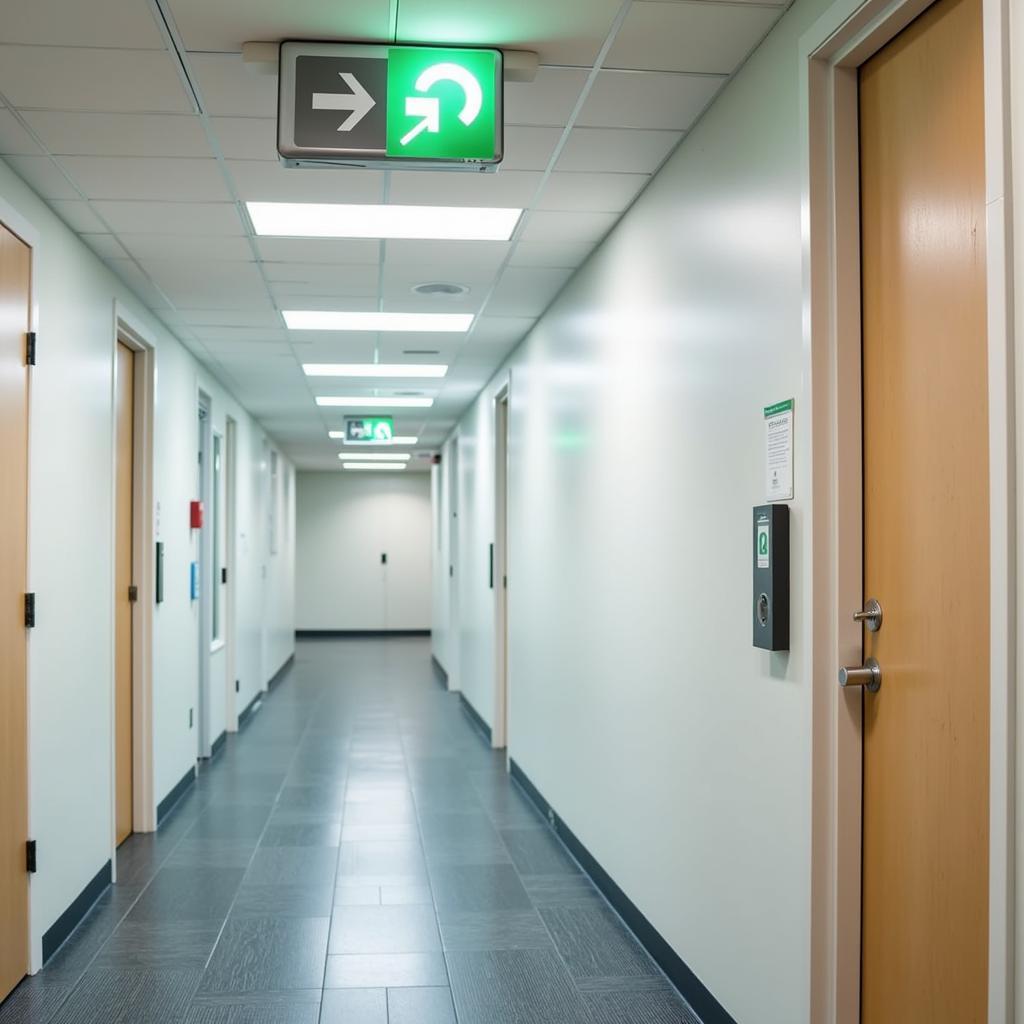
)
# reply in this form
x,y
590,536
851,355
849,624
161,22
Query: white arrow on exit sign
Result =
x,y
359,101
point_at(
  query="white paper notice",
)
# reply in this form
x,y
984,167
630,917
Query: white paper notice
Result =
x,y
778,435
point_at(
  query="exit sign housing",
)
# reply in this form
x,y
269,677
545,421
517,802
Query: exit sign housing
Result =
x,y
390,106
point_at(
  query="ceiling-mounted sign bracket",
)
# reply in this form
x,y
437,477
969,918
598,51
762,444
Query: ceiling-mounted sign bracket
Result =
x,y
411,107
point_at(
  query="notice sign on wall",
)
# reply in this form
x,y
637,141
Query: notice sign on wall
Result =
x,y
778,436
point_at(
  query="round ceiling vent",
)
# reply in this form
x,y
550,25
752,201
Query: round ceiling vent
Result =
x,y
440,289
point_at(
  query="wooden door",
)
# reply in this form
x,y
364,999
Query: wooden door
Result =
x,y
124,571
15,284
926,526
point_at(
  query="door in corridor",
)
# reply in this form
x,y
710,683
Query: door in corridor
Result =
x,y
15,277
124,593
926,526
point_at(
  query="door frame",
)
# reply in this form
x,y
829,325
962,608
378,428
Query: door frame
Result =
x,y
501,409
204,556
230,451
130,332
830,51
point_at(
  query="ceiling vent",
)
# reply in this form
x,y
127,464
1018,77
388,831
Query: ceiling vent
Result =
x,y
441,289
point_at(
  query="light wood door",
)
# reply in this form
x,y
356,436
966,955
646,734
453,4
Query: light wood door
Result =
x,y
926,527
15,273
124,571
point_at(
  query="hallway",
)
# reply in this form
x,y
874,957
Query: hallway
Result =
x,y
356,855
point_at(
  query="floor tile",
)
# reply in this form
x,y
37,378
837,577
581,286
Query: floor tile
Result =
x,y
395,929
357,896
160,944
594,944
394,895
483,930
386,970
563,891
538,852
286,865
301,835
420,1006
400,862
478,887
355,1006
522,985
241,821
114,996
268,955
400,832
212,853
261,1008
633,1008
283,901
188,894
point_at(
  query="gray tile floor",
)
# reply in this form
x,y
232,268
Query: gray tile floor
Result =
x,y
356,856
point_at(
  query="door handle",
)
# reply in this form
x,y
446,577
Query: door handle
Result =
x,y
871,616
868,675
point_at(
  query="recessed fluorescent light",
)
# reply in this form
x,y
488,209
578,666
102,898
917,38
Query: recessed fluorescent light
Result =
x,y
373,465
340,220
412,323
378,456
339,435
357,402
375,369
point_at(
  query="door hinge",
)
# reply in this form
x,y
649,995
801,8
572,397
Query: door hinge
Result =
x,y
30,611
30,348
238,685
30,856
133,593
224,575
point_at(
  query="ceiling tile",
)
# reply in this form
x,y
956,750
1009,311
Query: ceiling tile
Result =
x,y
87,134
337,348
188,219
77,215
449,261
272,182
229,88
138,282
394,350
551,254
551,226
107,247
210,285
529,148
499,331
241,335
148,178
637,99
548,100
617,149
111,23
437,188
43,175
527,291
62,78
14,138
185,247
603,193
699,37
230,318
246,138
319,250
398,295
319,274
226,24
561,31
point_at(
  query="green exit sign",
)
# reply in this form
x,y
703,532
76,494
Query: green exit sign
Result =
x,y
370,429
388,105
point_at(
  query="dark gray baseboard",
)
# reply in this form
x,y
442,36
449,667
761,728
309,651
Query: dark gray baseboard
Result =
x,y
246,713
692,989
439,672
279,675
218,744
169,802
55,935
475,717
357,634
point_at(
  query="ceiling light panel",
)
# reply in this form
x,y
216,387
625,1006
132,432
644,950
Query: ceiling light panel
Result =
x,y
336,320
339,435
375,456
338,220
407,370
373,465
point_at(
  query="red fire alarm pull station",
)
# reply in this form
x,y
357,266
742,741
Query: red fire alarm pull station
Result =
x,y
195,510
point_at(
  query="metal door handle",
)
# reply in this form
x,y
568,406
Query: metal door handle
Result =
x,y
871,616
868,675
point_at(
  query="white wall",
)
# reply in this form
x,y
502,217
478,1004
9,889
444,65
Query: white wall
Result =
x,y
71,556
345,521
678,753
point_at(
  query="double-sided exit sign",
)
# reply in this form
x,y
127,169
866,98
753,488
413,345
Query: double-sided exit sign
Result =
x,y
390,105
